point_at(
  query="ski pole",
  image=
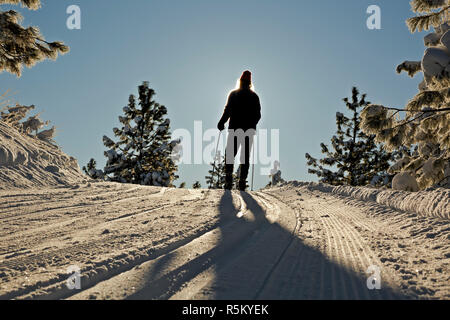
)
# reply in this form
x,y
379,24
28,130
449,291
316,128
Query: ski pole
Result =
x,y
215,157
253,165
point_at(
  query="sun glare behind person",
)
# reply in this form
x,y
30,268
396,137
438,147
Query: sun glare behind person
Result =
x,y
238,85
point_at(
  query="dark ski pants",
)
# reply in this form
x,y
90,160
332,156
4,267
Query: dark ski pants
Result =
x,y
234,143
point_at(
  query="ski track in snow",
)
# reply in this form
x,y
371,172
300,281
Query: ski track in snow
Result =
x,y
292,242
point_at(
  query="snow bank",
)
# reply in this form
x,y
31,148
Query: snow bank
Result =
x,y
434,203
26,161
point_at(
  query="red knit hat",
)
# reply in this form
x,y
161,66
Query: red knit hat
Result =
x,y
247,76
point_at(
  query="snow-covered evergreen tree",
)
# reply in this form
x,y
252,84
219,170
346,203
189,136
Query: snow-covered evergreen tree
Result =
x,y
182,185
91,170
355,155
426,121
275,175
143,152
196,185
21,46
216,177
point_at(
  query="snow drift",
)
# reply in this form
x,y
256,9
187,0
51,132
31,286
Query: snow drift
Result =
x,y
433,203
26,161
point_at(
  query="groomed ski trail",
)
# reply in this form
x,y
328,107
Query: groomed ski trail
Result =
x,y
134,242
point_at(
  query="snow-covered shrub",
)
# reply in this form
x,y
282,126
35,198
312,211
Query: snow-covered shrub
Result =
x,y
33,124
91,170
216,177
405,181
14,117
196,185
47,135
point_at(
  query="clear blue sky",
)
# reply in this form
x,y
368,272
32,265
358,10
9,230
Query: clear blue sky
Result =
x,y
305,57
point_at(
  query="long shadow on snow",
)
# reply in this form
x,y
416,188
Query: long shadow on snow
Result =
x,y
313,277
163,287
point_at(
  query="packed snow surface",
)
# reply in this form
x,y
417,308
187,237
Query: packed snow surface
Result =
x,y
435,202
291,242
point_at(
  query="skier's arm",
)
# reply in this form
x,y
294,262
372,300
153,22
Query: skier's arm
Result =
x,y
258,111
226,115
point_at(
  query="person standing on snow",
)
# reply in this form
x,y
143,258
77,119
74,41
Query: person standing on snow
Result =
x,y
243,109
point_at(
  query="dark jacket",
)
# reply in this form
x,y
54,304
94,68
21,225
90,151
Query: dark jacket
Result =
x,y
243,109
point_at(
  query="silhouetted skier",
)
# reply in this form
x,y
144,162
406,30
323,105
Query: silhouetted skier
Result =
x,y
243,109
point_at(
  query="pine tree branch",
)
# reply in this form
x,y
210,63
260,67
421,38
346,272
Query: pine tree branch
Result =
x,y
407,122
394,114
418,111
426,5
339,162
9,54
422,22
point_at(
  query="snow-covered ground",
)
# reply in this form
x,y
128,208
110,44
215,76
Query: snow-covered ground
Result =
x,y
26,161
151,243
296,241
433,203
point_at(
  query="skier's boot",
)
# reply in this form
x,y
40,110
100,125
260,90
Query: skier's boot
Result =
x,y
243,177
242,185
